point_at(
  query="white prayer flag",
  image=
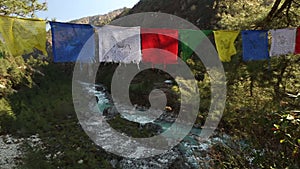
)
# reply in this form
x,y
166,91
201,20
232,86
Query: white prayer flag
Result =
x,y
119,44
283,41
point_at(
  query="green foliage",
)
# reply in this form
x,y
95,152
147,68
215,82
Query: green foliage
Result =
x,y
256,93
131,129
228,157
283,13
287,130
32,107
14,71
37,159
242,14
6,116
21,7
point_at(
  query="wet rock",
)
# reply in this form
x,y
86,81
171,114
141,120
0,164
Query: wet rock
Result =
x,y
153,127
110,112
163,161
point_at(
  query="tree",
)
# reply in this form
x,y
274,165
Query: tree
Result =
x,y
14,70
284,10
22,8
276,10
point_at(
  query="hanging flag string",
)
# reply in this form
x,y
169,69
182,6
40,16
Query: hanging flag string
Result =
x,y
68,39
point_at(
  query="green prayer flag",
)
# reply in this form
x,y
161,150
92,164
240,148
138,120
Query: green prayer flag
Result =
x,y
189,40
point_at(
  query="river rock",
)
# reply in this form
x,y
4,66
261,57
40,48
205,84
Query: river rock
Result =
x,y
110,112
163,161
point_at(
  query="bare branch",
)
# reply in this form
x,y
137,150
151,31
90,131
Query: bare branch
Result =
x,y
273,10
287,14
283,7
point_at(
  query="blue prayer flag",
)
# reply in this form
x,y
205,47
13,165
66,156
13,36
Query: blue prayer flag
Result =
x,y
72,41
255,45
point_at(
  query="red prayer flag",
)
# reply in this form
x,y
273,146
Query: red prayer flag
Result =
x,y
297,47
165,39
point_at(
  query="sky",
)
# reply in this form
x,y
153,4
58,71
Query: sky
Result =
x,y
66,10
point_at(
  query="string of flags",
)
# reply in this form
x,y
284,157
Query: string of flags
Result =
x,y
72,42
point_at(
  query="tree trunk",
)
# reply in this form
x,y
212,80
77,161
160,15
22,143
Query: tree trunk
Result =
x,y
276,10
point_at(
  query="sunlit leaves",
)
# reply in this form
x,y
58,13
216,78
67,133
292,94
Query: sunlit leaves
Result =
x,y
21,7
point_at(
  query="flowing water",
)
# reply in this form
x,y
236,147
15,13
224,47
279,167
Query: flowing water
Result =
x,y
193,152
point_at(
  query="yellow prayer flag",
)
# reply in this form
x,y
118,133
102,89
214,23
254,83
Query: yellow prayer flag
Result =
x,y
225,44
21,36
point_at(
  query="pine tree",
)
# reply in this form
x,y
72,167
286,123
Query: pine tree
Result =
x,y
14,70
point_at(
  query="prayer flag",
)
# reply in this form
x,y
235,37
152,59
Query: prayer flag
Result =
x,y
21,36
225,44
189,40
283,41
297,46
158,40
255,45
119,44
71,40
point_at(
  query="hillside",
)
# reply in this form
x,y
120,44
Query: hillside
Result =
x,y
100,19
202,13
205,14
